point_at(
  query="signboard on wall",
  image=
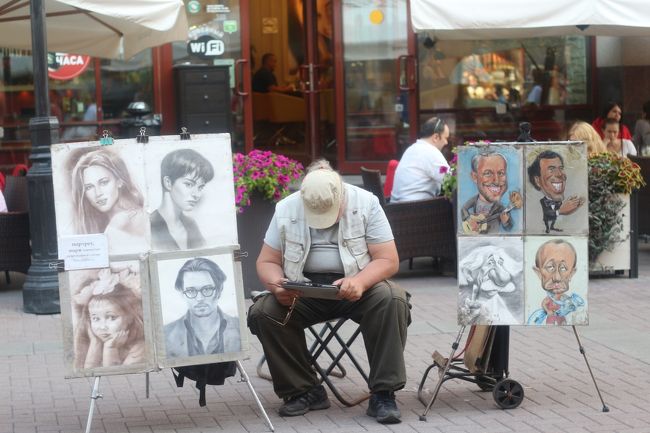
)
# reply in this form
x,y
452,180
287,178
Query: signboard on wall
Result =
x,y
64,66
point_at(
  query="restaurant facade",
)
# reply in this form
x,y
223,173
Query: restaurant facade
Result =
x,y
362,81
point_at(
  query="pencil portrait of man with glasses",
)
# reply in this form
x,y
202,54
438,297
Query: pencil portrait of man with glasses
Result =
x,y
205,328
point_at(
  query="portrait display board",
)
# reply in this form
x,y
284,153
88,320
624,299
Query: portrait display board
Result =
x,y
491,280
556,189
490,185
198,310
134,192
106,319
522,238
160,205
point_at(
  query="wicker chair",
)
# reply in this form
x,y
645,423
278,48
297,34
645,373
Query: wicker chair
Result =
x,y
422,228
15,251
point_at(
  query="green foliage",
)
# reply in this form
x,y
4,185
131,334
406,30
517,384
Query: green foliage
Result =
x,y
609,175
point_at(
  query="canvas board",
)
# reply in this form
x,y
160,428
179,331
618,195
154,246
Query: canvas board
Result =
x,y
556,200
181,310
106,319
194,177
557,280
102,189
489,185
491,280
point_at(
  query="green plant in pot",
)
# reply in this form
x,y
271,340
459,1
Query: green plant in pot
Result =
x,y
265,172
609,175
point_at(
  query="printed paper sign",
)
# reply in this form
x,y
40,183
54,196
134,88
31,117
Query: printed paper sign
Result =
x,y
84,251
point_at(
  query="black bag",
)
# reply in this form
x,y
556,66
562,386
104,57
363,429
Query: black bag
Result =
x,y
204,374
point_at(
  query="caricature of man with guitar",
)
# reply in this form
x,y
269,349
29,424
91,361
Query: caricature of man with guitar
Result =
x,y
484,212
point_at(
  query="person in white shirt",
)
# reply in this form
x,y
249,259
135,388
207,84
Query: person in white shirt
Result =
x,y
3,204
423,166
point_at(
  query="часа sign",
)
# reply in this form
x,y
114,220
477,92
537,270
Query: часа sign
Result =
x,y
63,66
206,46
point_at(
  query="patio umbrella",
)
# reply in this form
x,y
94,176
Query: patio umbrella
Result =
x,y
495,19
99,28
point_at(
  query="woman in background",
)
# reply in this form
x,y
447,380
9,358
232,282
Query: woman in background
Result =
x,y
106,200
582,131
614,111
620,146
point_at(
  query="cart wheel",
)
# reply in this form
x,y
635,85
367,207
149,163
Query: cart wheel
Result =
x,y
485,383
508,394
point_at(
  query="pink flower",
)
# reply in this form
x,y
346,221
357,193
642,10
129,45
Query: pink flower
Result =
x,y
444,169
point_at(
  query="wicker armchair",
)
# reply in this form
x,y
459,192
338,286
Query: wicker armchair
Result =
x,y
15,251
422,228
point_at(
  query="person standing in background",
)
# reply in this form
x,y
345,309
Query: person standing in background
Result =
x,y
641,136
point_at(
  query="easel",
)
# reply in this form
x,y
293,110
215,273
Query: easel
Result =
x,y
95,395
454,348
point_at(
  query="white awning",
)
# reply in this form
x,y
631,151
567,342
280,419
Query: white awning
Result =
x,y
507,19
101,28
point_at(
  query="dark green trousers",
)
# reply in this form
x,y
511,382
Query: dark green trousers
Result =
x,y
382,312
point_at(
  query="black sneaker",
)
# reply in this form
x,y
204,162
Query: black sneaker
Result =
x,y
314,399
382,406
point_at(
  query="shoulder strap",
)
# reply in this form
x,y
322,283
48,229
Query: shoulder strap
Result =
x,y
178,378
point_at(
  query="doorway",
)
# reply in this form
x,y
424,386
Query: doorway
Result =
x,y
292,81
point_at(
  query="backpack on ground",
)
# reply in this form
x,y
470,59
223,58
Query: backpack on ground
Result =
x,y
204,374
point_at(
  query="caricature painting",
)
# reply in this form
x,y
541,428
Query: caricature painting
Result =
x,y
106,319
557,276
490,190
490,278
556,189
192,198
101,189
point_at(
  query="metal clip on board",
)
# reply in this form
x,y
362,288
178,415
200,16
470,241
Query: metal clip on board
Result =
x,y
184,134
143,137
106,139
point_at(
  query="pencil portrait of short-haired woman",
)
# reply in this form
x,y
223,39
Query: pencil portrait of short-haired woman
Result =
x,y
184,174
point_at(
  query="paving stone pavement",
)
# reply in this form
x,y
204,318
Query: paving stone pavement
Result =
x,y
560,396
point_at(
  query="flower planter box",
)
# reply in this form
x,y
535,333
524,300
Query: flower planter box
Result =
x,y
251,228
619,258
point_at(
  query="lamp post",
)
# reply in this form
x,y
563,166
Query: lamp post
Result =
x,y
41,288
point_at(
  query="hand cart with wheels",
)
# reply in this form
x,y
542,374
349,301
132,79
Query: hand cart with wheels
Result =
x,y
485,363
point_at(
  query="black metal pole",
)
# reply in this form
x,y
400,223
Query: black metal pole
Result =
x,y
41,288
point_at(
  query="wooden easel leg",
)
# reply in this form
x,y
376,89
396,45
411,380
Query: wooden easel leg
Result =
x,y
94,395
244,378
454,347
584,354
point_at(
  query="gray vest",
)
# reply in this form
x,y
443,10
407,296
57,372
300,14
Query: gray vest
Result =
x,y
295,239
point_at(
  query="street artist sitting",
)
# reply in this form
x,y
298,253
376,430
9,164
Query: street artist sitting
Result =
x,y
331,232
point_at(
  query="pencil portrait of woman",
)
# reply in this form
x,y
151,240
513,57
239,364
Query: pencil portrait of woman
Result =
x,y
184,174
106,200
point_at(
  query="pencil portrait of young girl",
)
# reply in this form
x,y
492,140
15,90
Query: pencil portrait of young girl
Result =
x,y
108,324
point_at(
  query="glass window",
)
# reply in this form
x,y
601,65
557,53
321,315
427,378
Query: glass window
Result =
x,y
374,37
485,88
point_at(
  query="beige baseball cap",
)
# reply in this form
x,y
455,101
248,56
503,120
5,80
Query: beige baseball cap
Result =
x,y
322,195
